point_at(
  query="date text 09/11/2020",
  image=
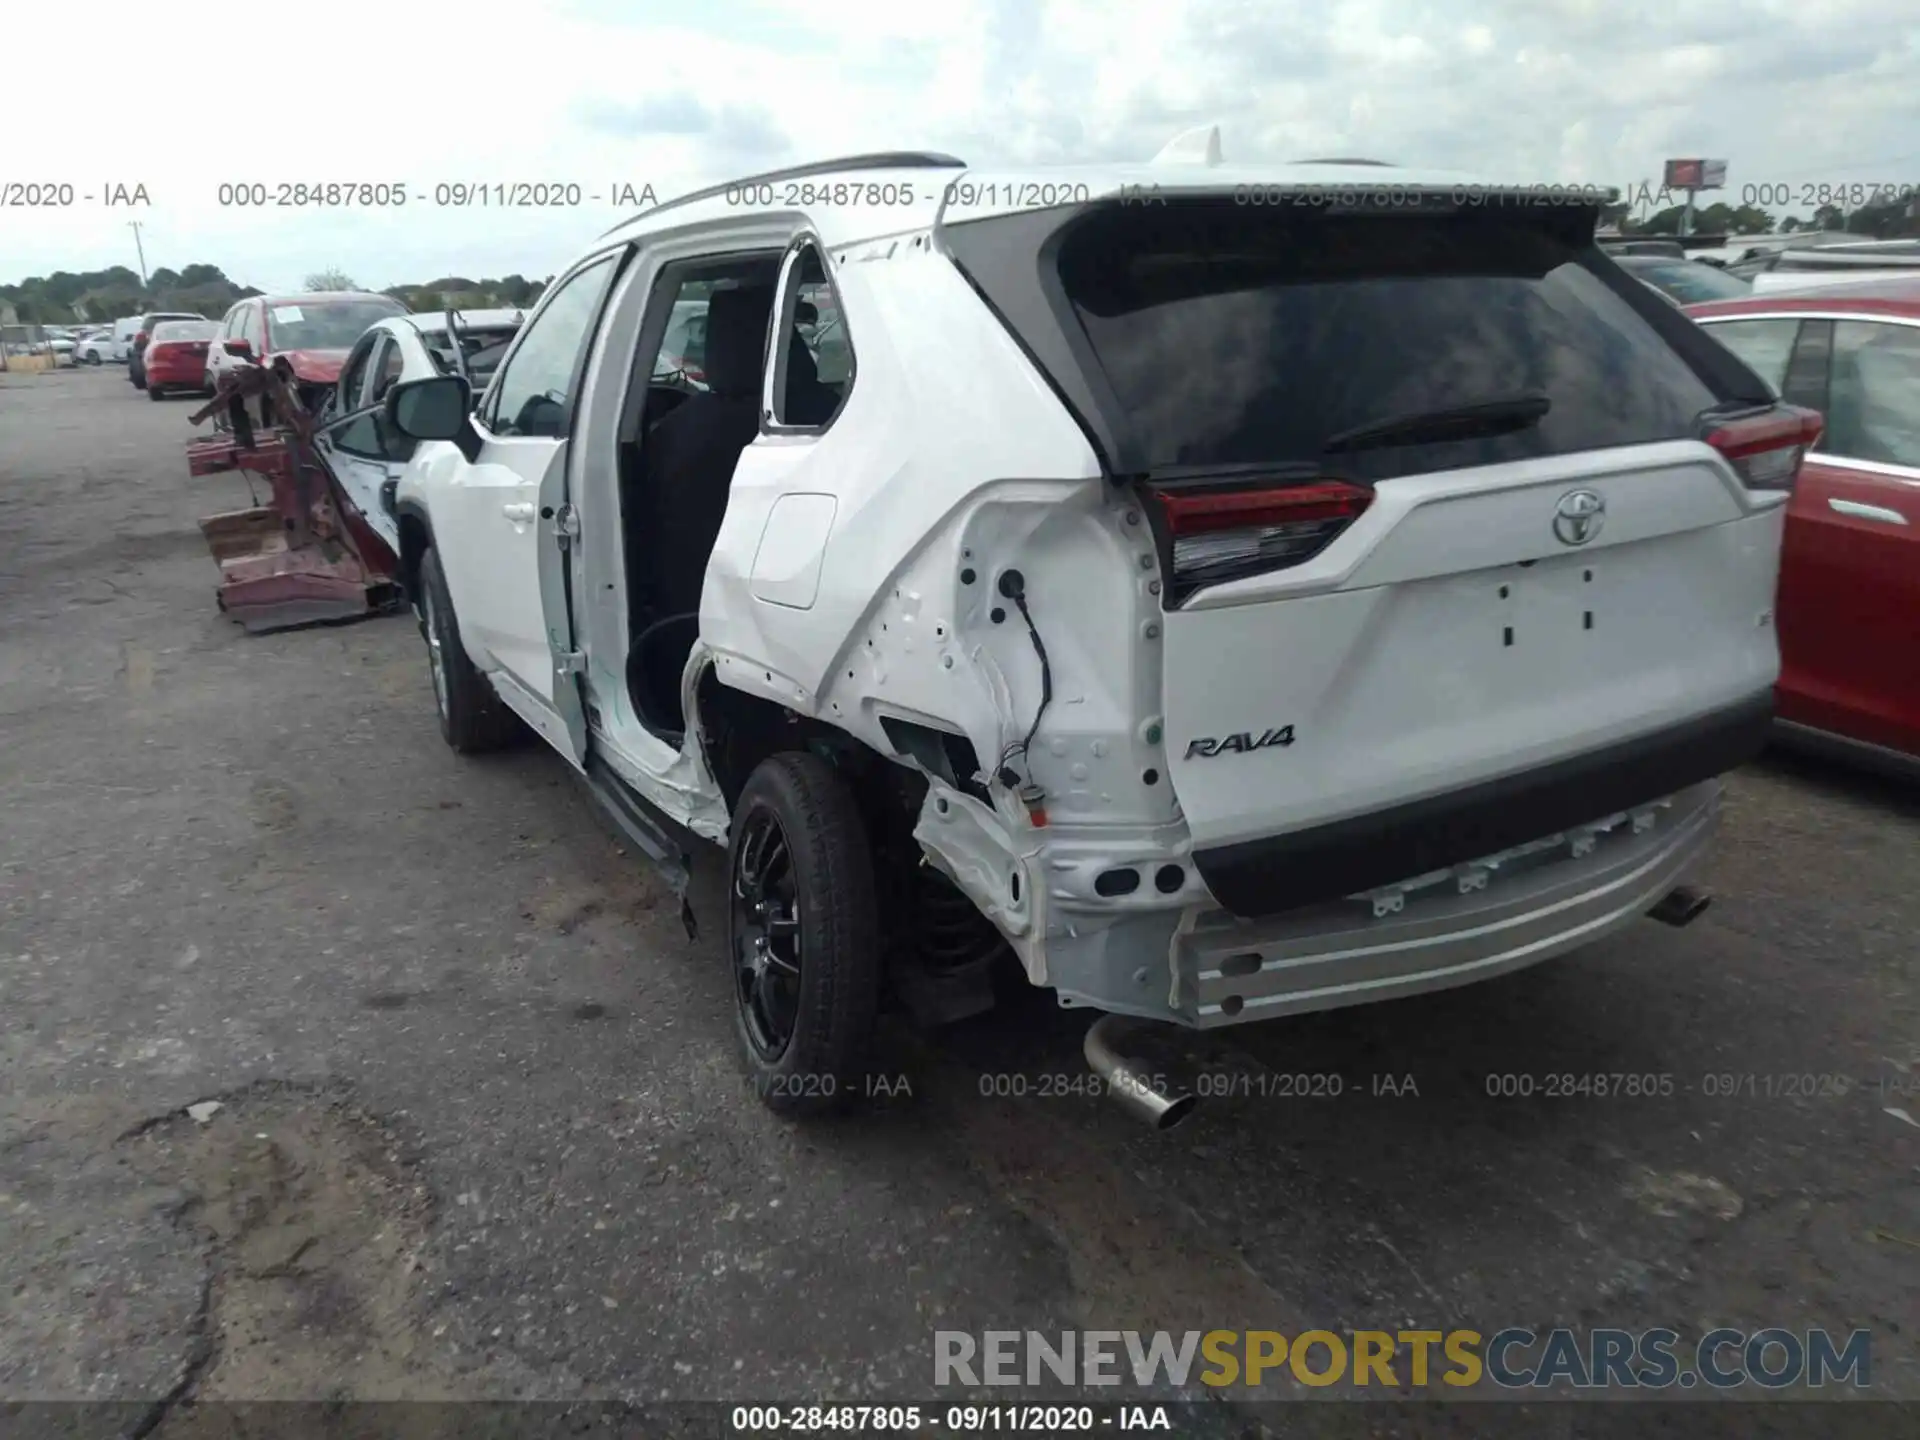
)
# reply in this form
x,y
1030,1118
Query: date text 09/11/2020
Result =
x,y
458,194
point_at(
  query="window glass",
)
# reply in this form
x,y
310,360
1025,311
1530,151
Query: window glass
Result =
x,y
386,368
1235,335
1873,404
682,358
364,384
819,360
1688,281
353,381
254,328
332,325
173,332
533,393
1766,345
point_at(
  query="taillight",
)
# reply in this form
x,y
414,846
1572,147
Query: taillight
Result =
x,y
1221,535
1765,447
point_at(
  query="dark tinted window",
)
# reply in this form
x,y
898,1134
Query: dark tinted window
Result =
x,y
1235,335
816,368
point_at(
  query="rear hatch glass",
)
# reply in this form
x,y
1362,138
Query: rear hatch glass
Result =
x,y
1232,335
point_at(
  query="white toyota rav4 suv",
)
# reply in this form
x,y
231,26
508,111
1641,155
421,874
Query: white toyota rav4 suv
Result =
x,y
1238,591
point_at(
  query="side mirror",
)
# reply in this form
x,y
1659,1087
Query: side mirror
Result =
x,y
435,408
242,348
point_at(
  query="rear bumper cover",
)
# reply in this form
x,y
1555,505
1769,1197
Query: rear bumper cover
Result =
x,y
1573,889
1280,873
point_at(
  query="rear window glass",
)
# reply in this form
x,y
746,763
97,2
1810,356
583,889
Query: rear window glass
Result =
x,y
174,330
1688,281
1233,335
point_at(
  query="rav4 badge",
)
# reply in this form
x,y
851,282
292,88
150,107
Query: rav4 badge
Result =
x,y
1208,746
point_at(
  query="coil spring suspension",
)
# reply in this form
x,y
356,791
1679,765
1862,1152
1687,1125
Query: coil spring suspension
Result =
x,y
951,933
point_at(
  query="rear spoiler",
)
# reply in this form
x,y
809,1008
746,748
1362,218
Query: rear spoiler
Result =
x,y
975,195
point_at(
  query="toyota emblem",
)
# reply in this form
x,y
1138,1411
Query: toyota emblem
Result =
x,y
1578,517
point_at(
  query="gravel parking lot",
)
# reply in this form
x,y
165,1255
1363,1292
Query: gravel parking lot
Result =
x,y
480,1131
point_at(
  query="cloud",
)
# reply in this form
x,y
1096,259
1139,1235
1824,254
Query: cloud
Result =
x,y
731,130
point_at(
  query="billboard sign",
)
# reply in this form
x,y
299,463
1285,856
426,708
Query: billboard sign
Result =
x,y
1696,174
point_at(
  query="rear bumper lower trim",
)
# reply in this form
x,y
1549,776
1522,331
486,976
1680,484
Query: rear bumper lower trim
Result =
x,y
1326,862
1230,972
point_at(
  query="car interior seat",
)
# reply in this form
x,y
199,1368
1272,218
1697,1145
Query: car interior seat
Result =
x,y
809,400
686,467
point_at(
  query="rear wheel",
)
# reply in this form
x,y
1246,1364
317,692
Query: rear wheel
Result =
x,y
154,392
803,935
473,718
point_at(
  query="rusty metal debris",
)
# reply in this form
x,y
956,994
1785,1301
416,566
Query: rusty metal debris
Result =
x,y
307,555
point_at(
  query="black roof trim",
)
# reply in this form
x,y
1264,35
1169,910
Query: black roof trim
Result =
x,y
878,160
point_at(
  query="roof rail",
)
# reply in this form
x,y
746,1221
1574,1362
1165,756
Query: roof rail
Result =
x,y
1350,160
878,160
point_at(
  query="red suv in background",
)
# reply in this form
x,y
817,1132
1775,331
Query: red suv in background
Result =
x,y
1849,597
311,332
176,356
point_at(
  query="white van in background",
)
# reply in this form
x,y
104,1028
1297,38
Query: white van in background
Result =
x,y
123,333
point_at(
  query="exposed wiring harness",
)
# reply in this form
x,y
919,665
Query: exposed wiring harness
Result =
x,y
1013,585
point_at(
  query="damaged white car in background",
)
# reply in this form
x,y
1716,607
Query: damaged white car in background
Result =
x,y
354,437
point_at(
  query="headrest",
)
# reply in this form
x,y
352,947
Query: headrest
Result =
x,y
736,340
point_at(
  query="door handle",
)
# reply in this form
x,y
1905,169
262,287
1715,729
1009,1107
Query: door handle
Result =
x,y
1861,511
520,514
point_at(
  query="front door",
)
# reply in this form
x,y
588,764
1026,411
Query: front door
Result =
x,y
360,448
502,531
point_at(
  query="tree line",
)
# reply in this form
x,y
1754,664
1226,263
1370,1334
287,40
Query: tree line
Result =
x,y
69,297
1894,220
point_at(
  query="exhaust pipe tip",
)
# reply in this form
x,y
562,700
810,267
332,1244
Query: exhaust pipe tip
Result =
x,y
1681,905
1132,1088
1178,1108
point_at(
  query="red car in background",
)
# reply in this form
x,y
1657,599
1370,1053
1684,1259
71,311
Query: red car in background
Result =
x,y
1849,601
312,332
176,356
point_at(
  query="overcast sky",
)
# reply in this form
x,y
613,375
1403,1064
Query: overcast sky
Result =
x,y
602,93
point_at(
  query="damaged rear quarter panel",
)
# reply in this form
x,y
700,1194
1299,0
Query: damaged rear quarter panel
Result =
x,y
951,463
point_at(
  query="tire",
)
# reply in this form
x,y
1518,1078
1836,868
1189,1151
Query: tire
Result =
x,y
154,392
803,936
473,718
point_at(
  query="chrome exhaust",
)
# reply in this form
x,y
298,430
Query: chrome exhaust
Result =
x,y
1681,906
1131,1087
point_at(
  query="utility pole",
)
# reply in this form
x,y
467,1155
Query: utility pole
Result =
x,y
142,252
